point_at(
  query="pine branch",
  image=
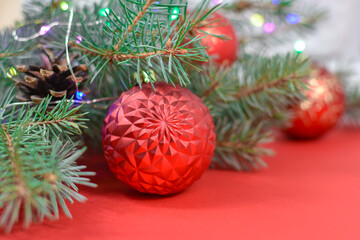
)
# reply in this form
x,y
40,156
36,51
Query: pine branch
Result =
x,y
135,21
246,92
7,55
10,50
231,145
62,121
38,170
237,145
22,190
345,73
155,43
113,57
245,101
267,86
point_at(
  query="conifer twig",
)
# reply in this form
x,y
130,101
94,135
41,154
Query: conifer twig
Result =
x,y
21,188
211,89
14,54
134,22
110,55
97,100
261,87
234,145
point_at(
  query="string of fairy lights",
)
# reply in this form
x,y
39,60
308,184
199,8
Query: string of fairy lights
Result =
x,y
269,27
256,19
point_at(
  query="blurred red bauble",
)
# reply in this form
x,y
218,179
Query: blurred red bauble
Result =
x,y
159,141
322,109
224,51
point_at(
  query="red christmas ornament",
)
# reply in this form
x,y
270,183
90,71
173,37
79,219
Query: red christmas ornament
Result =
x,y
159,141
322,109
224,51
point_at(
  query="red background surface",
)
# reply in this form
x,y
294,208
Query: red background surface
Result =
x,y
311,190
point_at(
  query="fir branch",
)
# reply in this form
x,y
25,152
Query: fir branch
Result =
x,y
237,145
22,190
232,145
114,57
72,101
246,92
10,50
7,55
62,121
211,89
245,101
154,44
265,88
134,22
38,170
346,74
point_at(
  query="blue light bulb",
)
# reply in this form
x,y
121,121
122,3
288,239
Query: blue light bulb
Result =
x,y
293,18
276,2
79,95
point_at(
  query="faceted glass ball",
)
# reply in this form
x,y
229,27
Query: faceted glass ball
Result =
x,y
224,51
322,108
159,141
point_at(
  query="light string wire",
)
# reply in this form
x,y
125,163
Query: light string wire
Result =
x,y
71,17
97,100
49,26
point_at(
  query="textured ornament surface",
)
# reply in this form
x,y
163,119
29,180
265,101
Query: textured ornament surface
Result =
x,y
322,108
224,51
158,142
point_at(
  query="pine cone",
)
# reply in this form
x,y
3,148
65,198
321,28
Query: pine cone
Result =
x,y
53,78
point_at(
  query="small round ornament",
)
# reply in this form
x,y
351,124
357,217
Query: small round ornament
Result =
x,y
224,51
321,109
160,141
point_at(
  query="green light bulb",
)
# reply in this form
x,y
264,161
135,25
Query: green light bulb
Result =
x,y
299,46
64,6
104,12
175,13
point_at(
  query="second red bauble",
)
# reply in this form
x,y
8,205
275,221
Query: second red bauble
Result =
x,y
223,51
159,141
322,108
